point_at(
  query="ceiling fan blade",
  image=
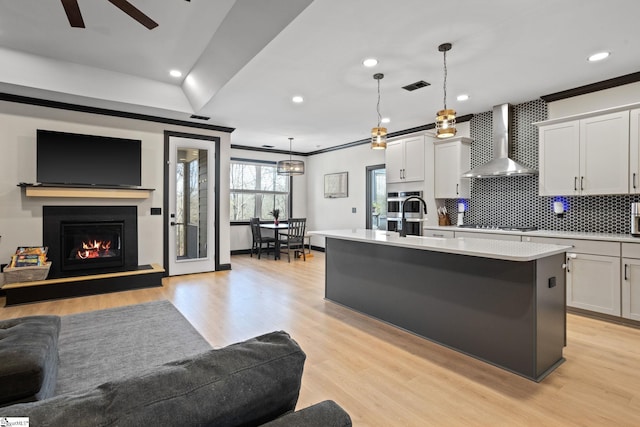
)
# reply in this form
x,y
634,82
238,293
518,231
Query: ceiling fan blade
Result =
x,y
72,10
135,13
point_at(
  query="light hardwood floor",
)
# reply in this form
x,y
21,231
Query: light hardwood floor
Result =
x,y
384,376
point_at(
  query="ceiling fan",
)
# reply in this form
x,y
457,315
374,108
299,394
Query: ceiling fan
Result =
x,y
75,17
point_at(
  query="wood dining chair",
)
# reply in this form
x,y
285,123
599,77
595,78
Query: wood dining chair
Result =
x,y
294,238
258,239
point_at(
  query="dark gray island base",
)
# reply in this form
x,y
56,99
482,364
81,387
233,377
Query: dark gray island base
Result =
x,y
508,313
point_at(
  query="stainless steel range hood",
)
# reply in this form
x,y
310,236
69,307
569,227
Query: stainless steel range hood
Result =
x,y
501,165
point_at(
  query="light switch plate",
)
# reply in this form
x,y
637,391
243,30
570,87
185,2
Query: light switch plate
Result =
x,y
353,210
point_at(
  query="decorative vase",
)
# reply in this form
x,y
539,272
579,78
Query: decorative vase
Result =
x,y
276,222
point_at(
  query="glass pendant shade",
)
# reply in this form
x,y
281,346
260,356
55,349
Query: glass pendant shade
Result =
x,y
290,167
379,138
445,123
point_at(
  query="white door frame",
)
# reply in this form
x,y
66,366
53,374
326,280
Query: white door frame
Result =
x,y
212,261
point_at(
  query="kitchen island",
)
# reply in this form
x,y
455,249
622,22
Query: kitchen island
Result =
x,y
499,301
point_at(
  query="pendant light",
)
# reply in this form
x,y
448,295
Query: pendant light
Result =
x,y
290,167
378,134
445,118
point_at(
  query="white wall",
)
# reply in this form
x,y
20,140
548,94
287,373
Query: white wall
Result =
x,y
331,214
241,234
614,97
21,216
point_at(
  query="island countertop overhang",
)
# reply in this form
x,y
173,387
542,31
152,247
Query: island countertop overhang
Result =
x,y
484,248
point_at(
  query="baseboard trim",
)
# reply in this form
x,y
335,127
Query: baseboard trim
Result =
x,y
606,317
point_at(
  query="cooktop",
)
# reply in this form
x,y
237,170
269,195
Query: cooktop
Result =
x,y
498,227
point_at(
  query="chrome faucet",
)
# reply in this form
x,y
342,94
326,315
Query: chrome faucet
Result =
x,y
403,230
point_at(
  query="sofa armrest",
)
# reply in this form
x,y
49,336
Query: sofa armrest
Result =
x,y
248,383
324,414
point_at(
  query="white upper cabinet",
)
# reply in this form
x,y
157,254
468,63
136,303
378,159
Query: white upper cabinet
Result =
x,y
559,159
634,151
452,158
587,156
405,160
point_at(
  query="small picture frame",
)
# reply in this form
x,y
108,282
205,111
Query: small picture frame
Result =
x,y
336,185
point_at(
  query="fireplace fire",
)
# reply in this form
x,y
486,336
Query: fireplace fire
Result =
x,y
91,244
95,249
90,239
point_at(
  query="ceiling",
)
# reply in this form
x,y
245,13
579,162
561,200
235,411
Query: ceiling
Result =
x,y
243,60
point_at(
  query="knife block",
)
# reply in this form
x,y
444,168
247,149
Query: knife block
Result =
x,y
443,219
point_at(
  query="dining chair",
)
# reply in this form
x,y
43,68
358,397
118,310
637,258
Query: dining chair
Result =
x,y
294,238
258,239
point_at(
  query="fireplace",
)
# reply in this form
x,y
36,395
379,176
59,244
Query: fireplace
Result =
x,y
90,239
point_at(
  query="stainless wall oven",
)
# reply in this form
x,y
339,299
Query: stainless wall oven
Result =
x,y
413,212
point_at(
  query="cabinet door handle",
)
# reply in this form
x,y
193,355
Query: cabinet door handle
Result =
x,y
575,183
626,271
457,186
438,235
569,258
581,183
634,180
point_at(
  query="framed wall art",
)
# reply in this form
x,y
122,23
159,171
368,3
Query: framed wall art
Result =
x,y
336,185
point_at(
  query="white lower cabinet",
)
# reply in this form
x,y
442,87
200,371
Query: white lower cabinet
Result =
x,y
593,283
593,274
631,288
631,281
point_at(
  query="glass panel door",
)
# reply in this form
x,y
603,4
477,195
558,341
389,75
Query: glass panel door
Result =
x,y
191,206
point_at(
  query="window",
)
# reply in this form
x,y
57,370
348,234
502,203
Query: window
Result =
x,y
256,189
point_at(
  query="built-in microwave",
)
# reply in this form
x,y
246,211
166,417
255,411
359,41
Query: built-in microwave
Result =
x,y
413,212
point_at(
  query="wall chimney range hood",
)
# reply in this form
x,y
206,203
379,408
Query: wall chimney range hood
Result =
x,y
501,165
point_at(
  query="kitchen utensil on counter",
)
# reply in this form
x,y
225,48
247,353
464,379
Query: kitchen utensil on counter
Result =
x,y
443,218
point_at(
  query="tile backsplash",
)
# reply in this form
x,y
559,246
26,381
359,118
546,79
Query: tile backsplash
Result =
x,y
514,201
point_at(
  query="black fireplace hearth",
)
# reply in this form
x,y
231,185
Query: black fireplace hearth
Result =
x,y
90,239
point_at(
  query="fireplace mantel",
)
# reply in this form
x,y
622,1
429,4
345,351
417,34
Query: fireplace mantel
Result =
x,y
101,192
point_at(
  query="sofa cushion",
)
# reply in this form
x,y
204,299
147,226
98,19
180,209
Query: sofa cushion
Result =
x,y
324,414
28,358
248,383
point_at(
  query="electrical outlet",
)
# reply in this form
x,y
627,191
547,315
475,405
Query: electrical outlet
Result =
x,y
552,282
353,210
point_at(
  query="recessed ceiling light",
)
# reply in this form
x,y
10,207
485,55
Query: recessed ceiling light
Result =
x,y
175,73
463,97
297,99
385,120
370,62
599,56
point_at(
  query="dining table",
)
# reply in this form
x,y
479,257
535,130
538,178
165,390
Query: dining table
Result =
x,y
276,231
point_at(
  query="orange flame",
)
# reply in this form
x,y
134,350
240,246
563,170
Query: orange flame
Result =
x,y
94,249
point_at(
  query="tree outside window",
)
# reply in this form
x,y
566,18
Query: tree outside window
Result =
x,y
256,189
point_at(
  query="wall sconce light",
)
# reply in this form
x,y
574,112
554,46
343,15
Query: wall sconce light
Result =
x,y
445,118
378,134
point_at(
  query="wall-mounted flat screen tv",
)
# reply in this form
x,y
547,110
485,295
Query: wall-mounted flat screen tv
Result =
x,y
76,159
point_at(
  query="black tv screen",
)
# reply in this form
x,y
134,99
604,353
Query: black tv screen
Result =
x,y
76,159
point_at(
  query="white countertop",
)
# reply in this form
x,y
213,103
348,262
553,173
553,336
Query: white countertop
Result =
x,y
608,237
485,248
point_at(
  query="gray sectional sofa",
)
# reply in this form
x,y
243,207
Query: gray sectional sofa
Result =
x,y
255,382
